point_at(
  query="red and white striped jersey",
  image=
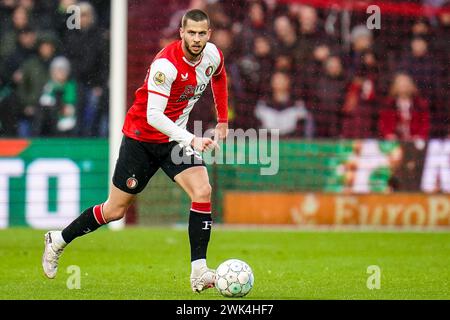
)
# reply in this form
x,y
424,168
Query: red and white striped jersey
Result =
x,y
172,86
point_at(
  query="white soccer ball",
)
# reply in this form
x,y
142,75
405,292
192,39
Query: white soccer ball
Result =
x,y
234,278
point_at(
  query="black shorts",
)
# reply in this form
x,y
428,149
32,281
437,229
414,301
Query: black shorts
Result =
x,y
138,162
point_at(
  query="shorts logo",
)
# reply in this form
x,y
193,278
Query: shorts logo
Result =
x,y
159,78
209,71
132,183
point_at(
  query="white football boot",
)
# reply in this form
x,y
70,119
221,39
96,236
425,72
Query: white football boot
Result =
x,y
204,280
51,256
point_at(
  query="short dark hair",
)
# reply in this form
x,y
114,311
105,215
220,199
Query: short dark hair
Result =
x,y
195,15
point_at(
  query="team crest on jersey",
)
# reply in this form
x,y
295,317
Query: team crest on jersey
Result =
x,y
159,78
132,183
209,71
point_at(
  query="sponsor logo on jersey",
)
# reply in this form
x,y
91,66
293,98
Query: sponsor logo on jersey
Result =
x,y
184,77
209,71
191,92
132,183
159,78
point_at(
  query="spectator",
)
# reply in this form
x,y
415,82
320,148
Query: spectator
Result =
x,y
419,62
219,19
223,38
307,74
255,69
280,111
6,12
12,77
285,46
90,67
8,106
25,48
312,50
329,98
8,41
56,115
443,31
421,28
38,13
255,24
61,16
285,35
405,114
310,34
35,74
422,65
362,41
360,100
284,62
441,122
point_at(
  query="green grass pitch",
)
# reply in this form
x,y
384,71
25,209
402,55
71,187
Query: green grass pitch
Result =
x,y
153,263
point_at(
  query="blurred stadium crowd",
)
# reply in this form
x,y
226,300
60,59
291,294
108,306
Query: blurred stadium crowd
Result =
x,y
311,72
53,78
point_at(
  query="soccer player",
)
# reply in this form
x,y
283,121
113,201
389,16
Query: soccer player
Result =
x,y
154,133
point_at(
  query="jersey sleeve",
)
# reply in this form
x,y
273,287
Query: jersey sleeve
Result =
x,y
162,74
220,90
221,63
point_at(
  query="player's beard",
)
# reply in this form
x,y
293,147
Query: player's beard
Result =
x,y
193,54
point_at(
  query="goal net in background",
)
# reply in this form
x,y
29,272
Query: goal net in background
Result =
x,y
370,94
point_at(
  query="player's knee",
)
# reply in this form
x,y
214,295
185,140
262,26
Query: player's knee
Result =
x,y
202,193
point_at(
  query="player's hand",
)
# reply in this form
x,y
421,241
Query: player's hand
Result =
x,y
204,144
221,131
